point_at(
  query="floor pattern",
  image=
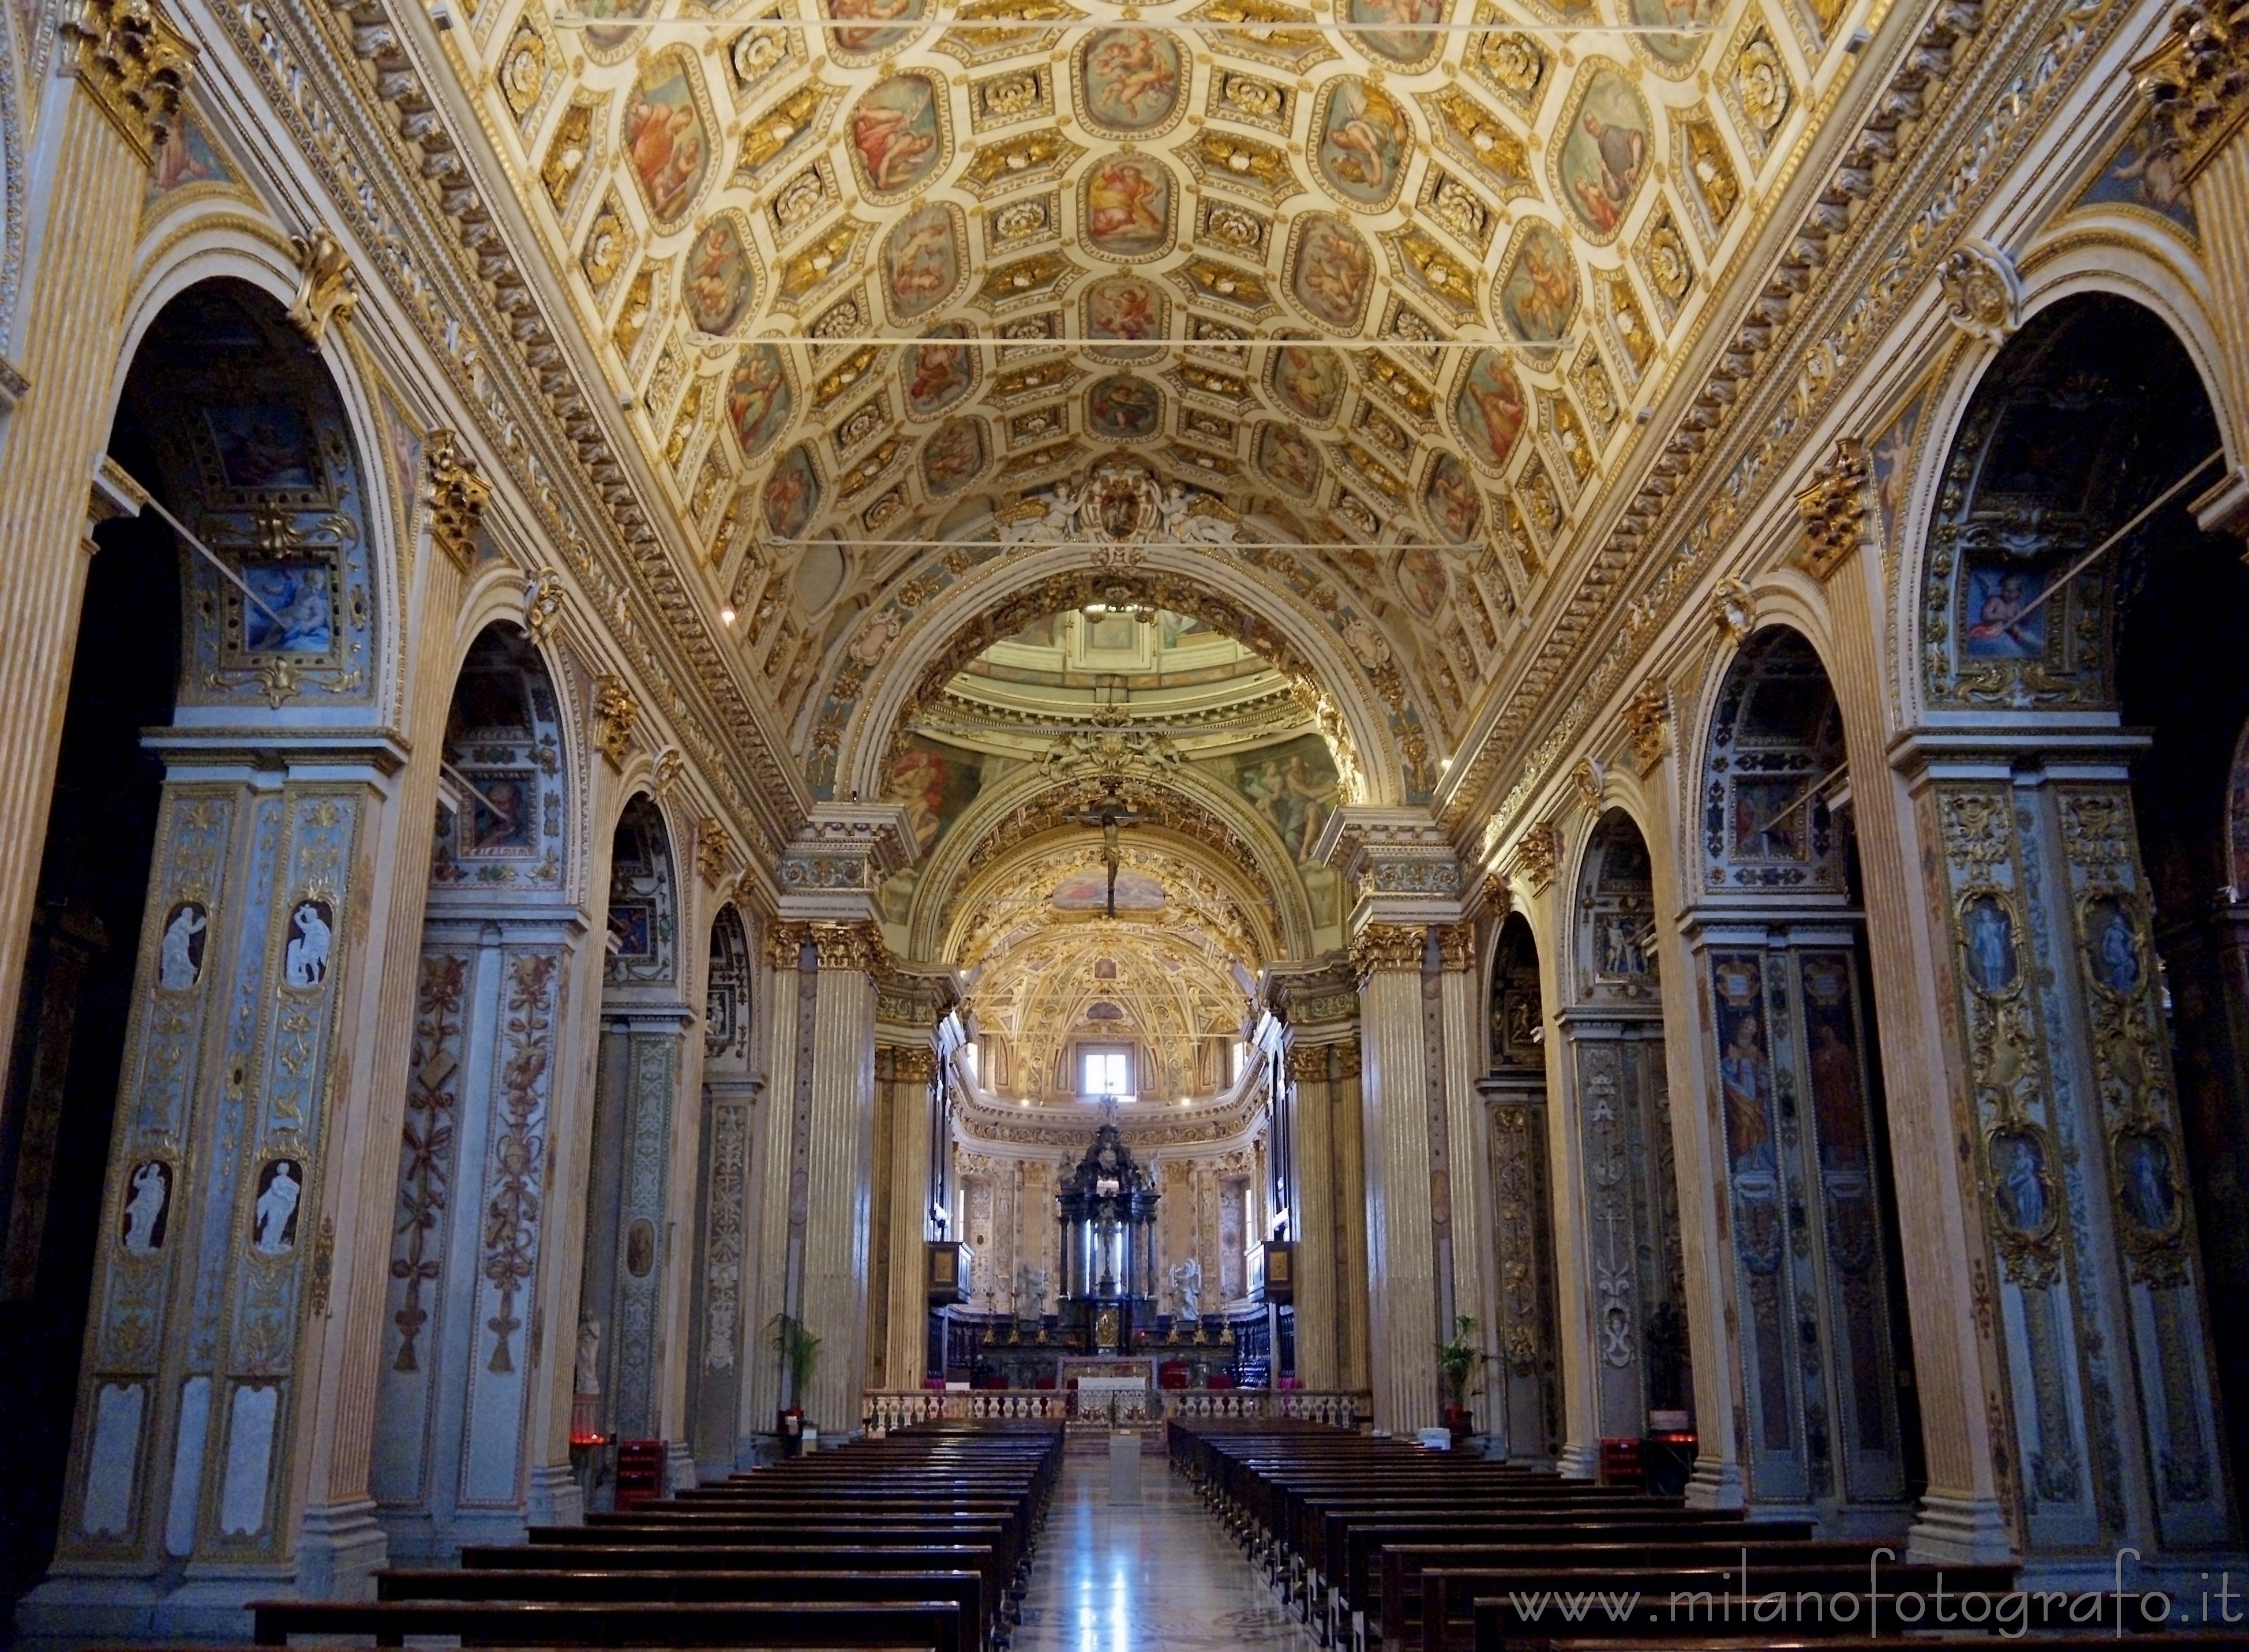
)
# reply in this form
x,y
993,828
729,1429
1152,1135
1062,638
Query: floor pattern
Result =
x,y
1155,1576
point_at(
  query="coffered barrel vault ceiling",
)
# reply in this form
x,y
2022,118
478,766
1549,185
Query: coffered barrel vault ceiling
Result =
x,y
1389,280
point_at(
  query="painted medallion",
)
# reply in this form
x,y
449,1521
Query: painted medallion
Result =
x,y
1364,141
758,398
720,280
1123,408
668,146
791,494
1126,207
1329,270
1605,151
1489,411
896,134
1132,82
953,457
921,260
1308,381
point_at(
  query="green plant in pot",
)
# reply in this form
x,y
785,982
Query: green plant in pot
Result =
x,y
1459,1363
799,1350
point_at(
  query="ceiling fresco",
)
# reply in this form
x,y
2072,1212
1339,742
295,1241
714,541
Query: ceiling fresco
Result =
x,y
1388,285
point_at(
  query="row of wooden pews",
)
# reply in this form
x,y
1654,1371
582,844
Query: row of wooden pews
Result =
x,y
1376,1542
922,1540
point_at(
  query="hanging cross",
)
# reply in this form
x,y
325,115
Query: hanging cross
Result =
x,y
1109,814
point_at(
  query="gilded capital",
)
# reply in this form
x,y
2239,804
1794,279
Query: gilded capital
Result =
x,y
1455,945
1347,1058
615,710
457,497
1539,853
2196,84
1646,715
714,850
1833,509
1380,946
854,946
1307,1064
784,945
914,1064
134,63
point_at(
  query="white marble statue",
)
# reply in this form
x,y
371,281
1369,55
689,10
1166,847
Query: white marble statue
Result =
x,y
1186,1285
588,1377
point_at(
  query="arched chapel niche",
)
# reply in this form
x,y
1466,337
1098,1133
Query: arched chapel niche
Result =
x,y
206,805
1522,1386
719,1349
1628,1212
2059,936
455,1397
636,1073
1778,945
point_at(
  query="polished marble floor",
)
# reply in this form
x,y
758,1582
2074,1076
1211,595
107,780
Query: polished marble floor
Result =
x,y
1159,1574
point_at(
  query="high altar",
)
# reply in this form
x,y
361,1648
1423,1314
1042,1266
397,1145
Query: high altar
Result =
x,y
1108,1210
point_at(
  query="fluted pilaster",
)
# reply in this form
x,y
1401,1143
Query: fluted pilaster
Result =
x,y
1402,1188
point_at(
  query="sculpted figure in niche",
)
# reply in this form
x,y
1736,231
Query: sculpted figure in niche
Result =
x,y
144,1211
180,960
306,963
276,1218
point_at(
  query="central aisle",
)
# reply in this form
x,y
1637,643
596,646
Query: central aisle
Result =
x,y
1157,1574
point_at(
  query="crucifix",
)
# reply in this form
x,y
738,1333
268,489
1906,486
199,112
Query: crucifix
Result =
x,y
1109,814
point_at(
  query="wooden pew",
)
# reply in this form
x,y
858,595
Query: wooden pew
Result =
x,y
933,1624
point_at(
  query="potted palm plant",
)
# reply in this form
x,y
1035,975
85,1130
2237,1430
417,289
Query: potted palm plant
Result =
x,y
1459,1362
799,1350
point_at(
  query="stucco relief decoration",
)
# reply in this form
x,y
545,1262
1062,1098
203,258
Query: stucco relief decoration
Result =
x,y
327,289
542,605
1587,780
1117,511
518,1169
1982,294
1734,608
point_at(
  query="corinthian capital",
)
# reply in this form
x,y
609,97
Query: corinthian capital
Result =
x,y
133,62
1380,946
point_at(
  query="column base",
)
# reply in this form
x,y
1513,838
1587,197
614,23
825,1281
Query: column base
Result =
x,y
341,1549
1960,1532
553,1495
78,1610
1579,1462
1715,1484
679,1464
215,1606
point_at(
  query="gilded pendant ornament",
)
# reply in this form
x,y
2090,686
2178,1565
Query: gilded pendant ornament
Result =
x,y
327,290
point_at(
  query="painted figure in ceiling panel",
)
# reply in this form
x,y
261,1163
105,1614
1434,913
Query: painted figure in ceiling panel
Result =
x,y
1605,144
953,457
1124,307
937,374
758,398
1132,82
1388,32
1489,411
898,135
1330,270
1288,460
867,37
721,279
1127,207
1450,502
1307,382
669,139
791,494
922,261
1537,295
1362,142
